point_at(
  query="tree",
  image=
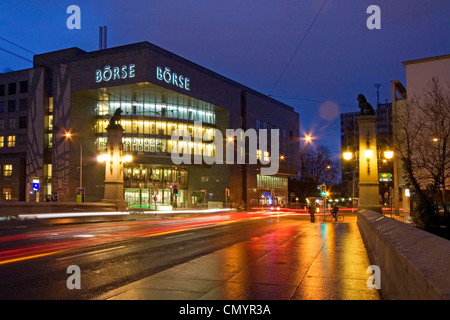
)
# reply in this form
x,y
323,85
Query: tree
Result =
x,y
316,165
422,137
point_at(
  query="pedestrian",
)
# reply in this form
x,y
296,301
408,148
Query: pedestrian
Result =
x,y
312,209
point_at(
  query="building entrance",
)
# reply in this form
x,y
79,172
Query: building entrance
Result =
x,y
163,199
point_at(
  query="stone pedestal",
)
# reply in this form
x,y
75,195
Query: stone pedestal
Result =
x,y
368,166
114,168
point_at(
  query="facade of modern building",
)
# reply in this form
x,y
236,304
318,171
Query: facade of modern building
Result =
x,y
419,76
350,142
158,92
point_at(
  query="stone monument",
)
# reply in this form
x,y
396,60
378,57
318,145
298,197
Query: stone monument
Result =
x,y
114,163
368,158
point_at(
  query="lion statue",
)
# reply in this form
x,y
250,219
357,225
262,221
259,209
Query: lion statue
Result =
x,y
364,106
116,117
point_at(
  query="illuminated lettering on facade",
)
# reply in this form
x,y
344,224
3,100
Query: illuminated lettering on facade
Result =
x,y
114,73
171,77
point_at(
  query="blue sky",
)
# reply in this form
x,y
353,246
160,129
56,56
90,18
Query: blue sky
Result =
x,y
252,42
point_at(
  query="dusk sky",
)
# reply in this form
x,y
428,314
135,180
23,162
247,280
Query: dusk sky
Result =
x,y
257,43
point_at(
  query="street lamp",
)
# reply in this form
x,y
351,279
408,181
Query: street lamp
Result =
x,y
70,137
388,154
348,155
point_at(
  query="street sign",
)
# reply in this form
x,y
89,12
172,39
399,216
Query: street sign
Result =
x,y
386,180
385,175
35,184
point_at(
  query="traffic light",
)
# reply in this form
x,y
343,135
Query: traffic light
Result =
x,y
227,192
175,191
323,190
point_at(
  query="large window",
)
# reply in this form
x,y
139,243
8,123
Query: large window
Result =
x,y
12,88
11,141
150,115
23,122
11,106
160,146
158,128
12,123
259,155
23,86
151,102
271,182
23,104
7,170
50,104
7,194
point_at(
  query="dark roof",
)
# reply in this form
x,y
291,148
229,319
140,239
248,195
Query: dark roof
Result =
x,y
74,54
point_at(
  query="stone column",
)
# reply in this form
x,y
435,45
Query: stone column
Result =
x,y
368,166
114,168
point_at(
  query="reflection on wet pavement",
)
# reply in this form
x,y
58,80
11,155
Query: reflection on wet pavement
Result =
x,y
320,261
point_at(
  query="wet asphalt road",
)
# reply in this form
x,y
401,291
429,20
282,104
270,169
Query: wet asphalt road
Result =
x,y
125,255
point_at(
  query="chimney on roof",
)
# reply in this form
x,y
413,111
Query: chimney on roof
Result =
x,y
102,36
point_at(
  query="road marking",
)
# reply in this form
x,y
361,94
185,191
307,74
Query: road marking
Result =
x,y
90,252
179,235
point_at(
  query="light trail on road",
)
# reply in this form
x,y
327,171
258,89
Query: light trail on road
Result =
x,y
66,239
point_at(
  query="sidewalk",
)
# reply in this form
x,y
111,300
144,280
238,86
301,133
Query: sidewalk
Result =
x,y
320,261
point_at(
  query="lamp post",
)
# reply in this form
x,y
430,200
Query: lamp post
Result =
x,y
368,154
348,155
70,137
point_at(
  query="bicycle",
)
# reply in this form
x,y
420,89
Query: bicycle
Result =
x,y
339,217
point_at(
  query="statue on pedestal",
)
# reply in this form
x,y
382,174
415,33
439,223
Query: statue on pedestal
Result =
x,y
365,107
114,121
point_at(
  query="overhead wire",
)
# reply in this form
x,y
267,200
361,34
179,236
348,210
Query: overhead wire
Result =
x,y
15,54
298,47
15,44
110,89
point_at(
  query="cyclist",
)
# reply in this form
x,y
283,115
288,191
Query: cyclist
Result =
x,y
334,212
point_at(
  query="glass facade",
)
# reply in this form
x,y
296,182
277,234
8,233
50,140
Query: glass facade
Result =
x,y
272,190
150,115
150,186
271,182
154,103
150,120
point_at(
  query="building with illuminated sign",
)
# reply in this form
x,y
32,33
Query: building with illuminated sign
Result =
x,y
158,92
